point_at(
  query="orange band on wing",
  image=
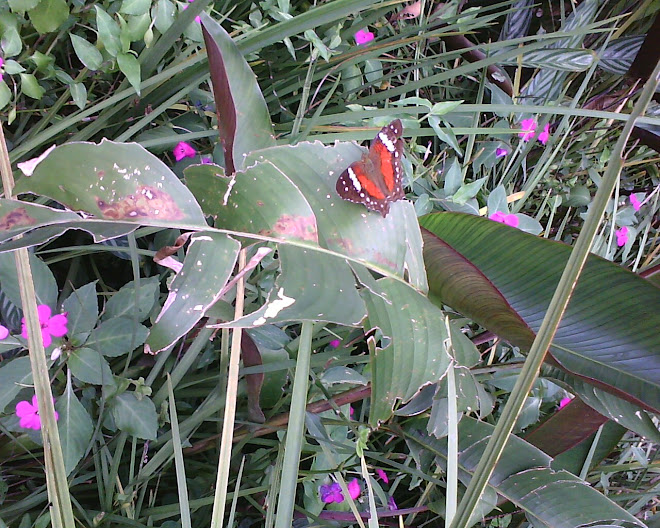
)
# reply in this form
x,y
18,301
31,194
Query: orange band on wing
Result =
x,y
386,165
369,187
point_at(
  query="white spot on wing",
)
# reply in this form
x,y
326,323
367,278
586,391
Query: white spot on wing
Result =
x,y
354,180
387,142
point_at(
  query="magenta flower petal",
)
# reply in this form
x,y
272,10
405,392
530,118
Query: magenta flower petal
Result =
x,y
50,326
545,135
4,332
45,337
335,343
31,421
354,489
363,36
29,414
57,325
44,312
529,127
183,150
497,216
511,220
383,476
391,505
501,152
564,402
207,160
634,201
24,408
621,236
331,493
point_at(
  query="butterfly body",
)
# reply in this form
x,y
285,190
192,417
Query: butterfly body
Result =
x,y
375,181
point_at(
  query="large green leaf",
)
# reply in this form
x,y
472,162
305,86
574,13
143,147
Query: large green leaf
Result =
x,y
289,192
311,287
412,353
523,475
504,279
24,224
260,200
113,181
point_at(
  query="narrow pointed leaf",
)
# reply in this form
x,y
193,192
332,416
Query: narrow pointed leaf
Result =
x,y
75,427
243,117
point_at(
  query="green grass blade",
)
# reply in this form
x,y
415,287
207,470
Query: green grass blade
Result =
x,y
295,430
181,483
220,497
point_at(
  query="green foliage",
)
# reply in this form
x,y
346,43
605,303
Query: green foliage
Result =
x,y
405,334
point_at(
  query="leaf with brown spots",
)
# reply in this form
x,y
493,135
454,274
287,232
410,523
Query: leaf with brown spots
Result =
x,y
117,181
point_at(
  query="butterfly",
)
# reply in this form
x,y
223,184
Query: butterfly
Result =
x,y
375,180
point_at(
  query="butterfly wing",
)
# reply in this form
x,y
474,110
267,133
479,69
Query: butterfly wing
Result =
x,y
385,154
375,180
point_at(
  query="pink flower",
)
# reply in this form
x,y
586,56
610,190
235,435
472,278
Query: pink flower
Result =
x,y
634,201
352,411
183,150
529,127
363,36
335,343
197,19
331,493
354,488
564,402
50,326
29,414
206,160
391,505
621,236
545,135
2,63
501,152
505,218
383,476
4,333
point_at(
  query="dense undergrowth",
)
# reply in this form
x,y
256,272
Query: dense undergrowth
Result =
x,y
225,340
